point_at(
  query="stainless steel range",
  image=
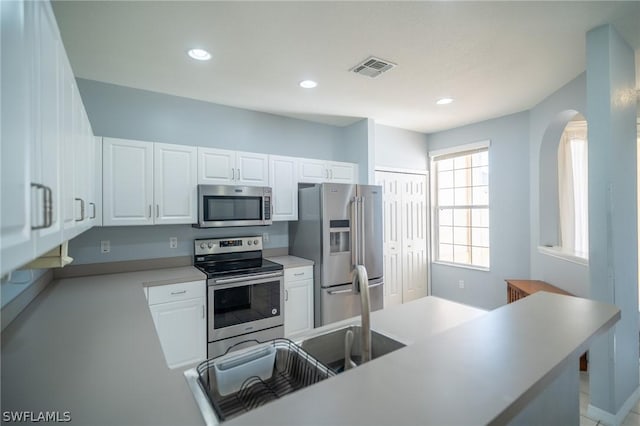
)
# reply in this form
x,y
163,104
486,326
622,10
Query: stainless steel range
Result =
x,y
245,293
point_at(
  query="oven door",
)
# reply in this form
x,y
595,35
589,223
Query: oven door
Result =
x,y
240,305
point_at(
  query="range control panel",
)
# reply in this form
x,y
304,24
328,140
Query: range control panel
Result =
x,y
227,245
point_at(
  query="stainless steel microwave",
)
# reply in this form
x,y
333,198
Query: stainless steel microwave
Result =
x,y
230,205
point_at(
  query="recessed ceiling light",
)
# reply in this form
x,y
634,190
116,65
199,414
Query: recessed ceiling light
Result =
x,y
199,54
444,101
308,84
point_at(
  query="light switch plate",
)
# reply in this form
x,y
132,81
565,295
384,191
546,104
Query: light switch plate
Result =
x,y
105,246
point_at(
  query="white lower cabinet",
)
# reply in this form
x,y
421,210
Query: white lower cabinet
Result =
x,y
179,314
298,300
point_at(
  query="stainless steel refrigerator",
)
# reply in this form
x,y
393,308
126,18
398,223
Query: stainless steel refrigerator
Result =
x,y
339,226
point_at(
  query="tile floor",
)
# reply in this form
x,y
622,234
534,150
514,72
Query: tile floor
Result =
x,y
633,419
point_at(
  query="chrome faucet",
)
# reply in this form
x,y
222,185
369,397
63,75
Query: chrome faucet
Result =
x,y
361,279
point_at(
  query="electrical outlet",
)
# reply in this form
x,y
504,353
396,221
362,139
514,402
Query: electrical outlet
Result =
x,y
265,237
105,246
173,242
461,284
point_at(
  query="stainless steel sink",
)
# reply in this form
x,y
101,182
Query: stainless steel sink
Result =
x,y
329,348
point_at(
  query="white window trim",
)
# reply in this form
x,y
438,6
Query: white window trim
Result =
x,y
433,156
562,254
459,148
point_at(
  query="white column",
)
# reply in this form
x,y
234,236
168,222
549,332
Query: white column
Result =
x,y
613,247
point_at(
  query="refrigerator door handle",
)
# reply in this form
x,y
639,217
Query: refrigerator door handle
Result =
x,y
354,231
362,233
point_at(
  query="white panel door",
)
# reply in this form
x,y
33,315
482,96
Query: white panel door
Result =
x,y
342,172
46,170
216,166
181,327
17,44
406,258
127,182
68,147
283,179
414,241
252,169
312,171
298,307
175,179
392,236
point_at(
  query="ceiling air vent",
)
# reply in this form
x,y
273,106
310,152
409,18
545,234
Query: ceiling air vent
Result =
x,y
373,67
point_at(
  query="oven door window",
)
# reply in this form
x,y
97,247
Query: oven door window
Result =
x,y
246,303
226,208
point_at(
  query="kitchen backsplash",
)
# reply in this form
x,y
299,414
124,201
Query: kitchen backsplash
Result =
x,y
149,242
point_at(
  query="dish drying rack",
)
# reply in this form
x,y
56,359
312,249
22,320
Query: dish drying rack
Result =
x,y
293,369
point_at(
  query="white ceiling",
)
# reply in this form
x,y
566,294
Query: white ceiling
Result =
x,y
494,58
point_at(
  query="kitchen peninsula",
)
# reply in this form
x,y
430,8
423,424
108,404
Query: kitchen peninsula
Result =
x,y
70,351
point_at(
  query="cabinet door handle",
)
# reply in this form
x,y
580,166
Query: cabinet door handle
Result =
x,y
298,274
233,173
47,208
331,170
81,210
94,210
157,210
286,295
149,211
327,172
238,174
178,292
202,311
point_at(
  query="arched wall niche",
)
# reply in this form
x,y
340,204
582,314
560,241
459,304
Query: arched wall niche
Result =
x,y
549,213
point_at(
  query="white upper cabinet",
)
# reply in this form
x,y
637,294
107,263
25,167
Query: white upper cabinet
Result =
x,y
146,183
17,246
342,172
252,169
313,171
319,171
175,183
283,179
225,167
40,129
216,166
127,179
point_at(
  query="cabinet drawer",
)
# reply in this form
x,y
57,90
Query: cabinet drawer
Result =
x,y
297,274
175,292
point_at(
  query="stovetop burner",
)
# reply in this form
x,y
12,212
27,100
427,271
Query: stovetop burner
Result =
x,y
252,266
218,257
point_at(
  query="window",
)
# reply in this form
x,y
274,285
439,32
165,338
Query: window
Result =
x,y
573,189
461,204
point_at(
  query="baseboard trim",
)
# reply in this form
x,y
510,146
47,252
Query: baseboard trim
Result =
x,y
617,418
12,309
72,271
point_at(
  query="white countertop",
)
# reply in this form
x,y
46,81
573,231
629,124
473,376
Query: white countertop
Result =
x,y
482,371
88,345
291,261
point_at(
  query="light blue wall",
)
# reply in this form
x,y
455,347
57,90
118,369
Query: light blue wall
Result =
x,y
613,230
123,112
356,147
547,119
149,242
508,211
400,148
